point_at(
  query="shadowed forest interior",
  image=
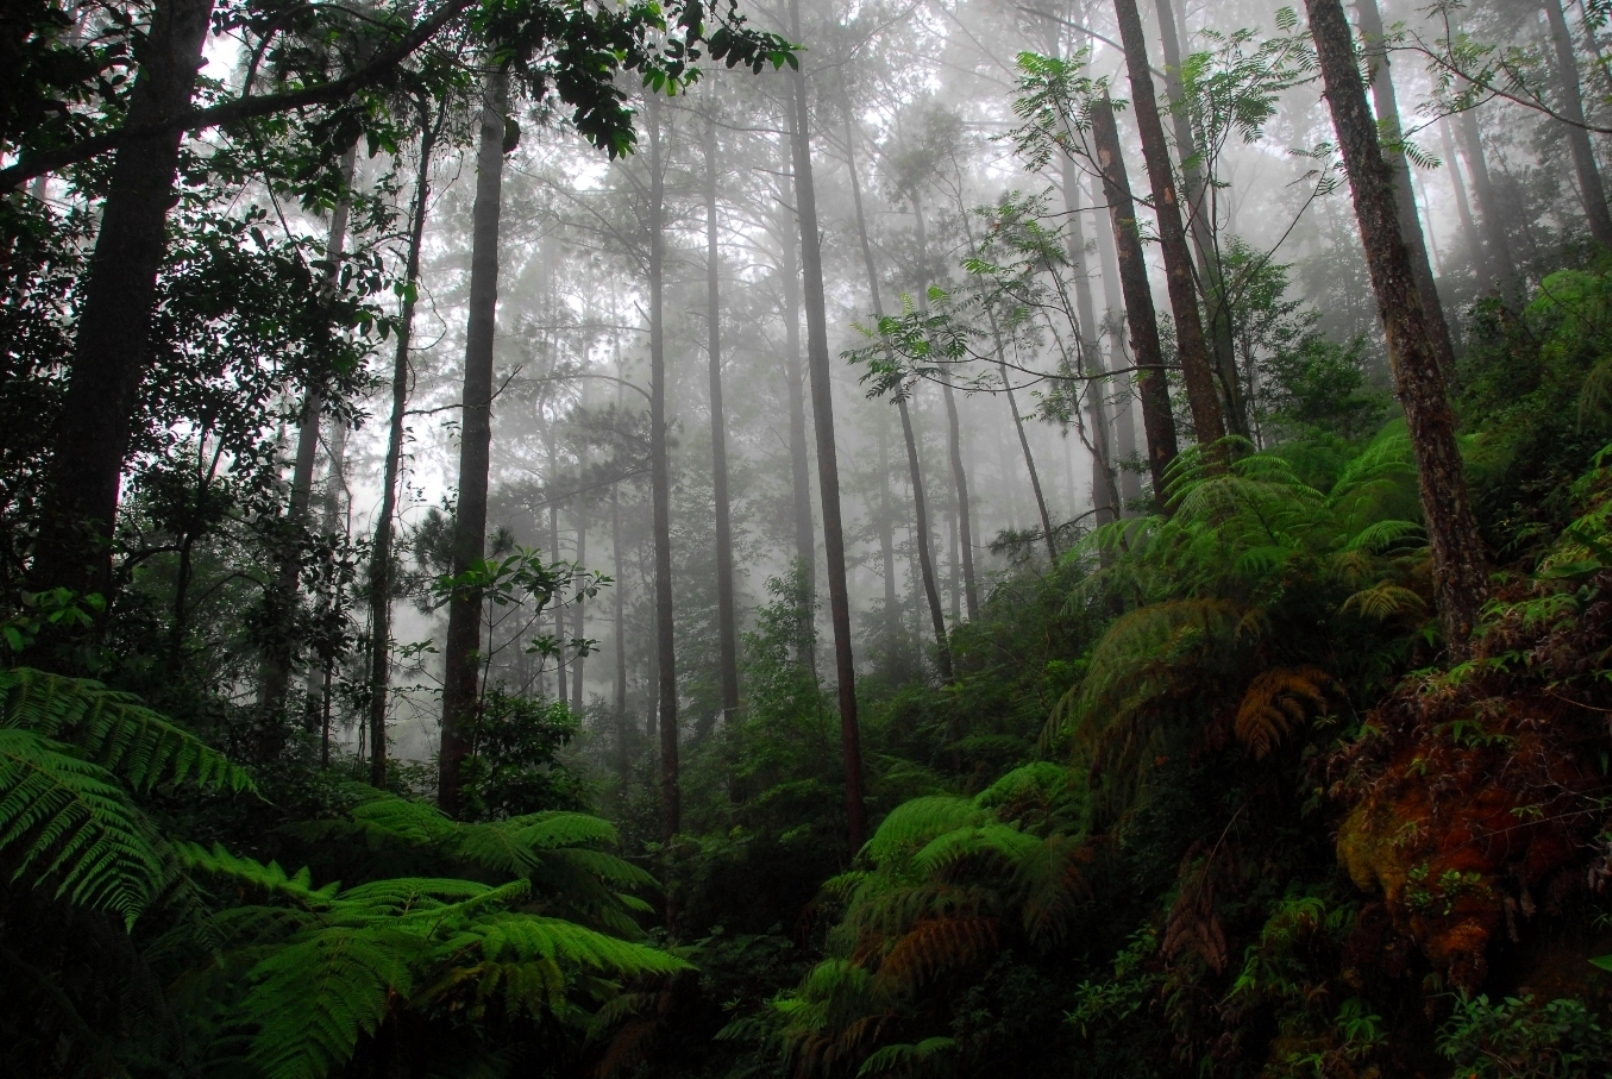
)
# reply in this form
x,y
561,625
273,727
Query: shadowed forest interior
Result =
x,y
805,539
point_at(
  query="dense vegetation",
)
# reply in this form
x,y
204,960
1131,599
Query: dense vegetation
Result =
x,y
1155,618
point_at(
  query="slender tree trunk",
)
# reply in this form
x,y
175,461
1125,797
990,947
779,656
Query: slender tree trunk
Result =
x,y
1191,348
619,616
921,533
278,661
380,559
1200,221
887,541
113,348
954,435
726,617
1104,491
1590,189
1458,558
562,662
828,469
462,650
1130,482
661,493
1147,354
1410,222
1488,200
795,380
578,616
1469,229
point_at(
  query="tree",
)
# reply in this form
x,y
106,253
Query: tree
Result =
x,y
727,618
828,470
461,689
1191,347
1590,189
1458,556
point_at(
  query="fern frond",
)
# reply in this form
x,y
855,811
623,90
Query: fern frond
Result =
x,y
114,730
547,831
65,820
250,873
1384,600
998,840
1276,702
936,946
914,823
1051,886
909,1058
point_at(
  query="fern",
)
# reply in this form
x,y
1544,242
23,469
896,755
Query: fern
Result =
x,y
1276,702
914,823
904,1058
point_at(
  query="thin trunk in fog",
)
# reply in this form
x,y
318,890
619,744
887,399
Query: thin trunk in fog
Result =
x,y
1488,200
578,624
1158,423
795,379
1124,404
277,663
112,350
726,618
1410,222
1104,491
619,616
1590,189
828,469
926,565
561,671
887,541
1469,229
1192,350
954,439
461,651
380,558
1460,579
1200,223
661,492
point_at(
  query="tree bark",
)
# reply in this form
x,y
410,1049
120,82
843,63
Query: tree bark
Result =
x,y
1191,348
1200,222
1410,222
1147,355
726,617
113,349
1130,481
828,471
1104,491
561,662
1459,575
1488,199
1590,189
661,492
380,559
578,616
462,649
795,379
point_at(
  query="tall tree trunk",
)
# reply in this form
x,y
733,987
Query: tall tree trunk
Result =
x,y
578,616
277,663
1124,405
1191,348
619,617
828,468
661,494
887,541
1578,139
380,558
1158,423
1458,558
113,348
1410,222
954,434
462,649
921,533
1488,200
1104,491
726,618
1200,221
795,379
1469,229
562,661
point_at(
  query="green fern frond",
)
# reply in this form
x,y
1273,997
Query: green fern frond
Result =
x,y
996,840
1387,535
925,1056
1384,600
114,730
250,873
547,831
914,823
65,820
525,937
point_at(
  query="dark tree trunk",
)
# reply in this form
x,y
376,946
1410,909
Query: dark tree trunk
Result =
x,y
1201,223
113,348
1469,229
1458,558
1104,491
1410,222
380,559
462,650
278,662
578,617
828,469
887,542
726,616
1130,481
660,483
1578,139
619,616
1157,421
1191,348
1488,200
795,379
561,661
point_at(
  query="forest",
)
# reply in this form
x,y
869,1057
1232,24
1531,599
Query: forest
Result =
x,y
687,539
